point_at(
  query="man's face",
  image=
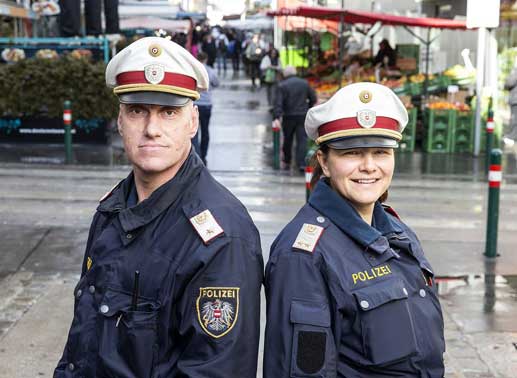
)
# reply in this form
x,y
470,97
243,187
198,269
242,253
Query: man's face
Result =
x,y
157,138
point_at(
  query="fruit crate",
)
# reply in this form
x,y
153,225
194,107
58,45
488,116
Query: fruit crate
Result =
x,y
439,130
462,137
407,144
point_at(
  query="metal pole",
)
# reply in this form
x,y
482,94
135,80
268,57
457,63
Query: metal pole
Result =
x,y
495,177
480,74
489,133
340,54
276,144
341,45
427,48
67,121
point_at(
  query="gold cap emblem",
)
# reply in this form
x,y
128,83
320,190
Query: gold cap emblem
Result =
x,y
365,97
155,50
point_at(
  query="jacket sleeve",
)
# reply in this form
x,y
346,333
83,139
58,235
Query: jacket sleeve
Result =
x,y
299,341
219,314
511,81
312,97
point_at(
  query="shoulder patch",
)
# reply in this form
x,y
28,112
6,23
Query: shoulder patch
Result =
x,y
108,193
206,226
308,237
217,309
390,210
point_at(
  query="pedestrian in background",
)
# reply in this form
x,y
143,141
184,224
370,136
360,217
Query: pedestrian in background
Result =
x,y
210,49
254,54
222,50
349,291
511,85
293,98
270,67
204,105
172,272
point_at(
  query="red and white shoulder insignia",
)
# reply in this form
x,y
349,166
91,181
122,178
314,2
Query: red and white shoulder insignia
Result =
x,y
108,193
308,237
390,210
206,226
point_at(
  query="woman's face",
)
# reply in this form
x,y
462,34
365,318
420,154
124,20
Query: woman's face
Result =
x,y
361,175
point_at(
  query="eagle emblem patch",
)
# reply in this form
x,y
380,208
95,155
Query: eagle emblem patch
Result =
x,y
154,73
217,309
366,118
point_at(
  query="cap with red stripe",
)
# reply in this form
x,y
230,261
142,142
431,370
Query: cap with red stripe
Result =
x,y
156,65
358,115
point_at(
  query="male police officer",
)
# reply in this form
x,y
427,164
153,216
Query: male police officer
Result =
x,y
173,267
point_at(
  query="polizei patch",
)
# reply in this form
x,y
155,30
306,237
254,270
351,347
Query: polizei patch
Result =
x,y
217,309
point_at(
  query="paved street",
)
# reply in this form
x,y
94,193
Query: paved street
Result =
x,y
46,209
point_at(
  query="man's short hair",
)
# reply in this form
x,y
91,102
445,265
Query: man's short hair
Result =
x,y
289,71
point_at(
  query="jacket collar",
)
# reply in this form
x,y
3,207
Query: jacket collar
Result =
x,y
328,202
133,217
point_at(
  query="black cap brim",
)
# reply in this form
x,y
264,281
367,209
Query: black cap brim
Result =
x,y
363,142
153,98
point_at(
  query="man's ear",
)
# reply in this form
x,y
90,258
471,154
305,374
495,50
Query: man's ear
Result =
x,y
194,121
119,120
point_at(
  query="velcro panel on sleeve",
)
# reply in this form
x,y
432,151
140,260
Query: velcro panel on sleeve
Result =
x,y
311,351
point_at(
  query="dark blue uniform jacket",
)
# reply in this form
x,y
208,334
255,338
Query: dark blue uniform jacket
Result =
x,y
198,304
362,304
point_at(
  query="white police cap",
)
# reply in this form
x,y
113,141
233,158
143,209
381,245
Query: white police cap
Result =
x,y
358,115
155,70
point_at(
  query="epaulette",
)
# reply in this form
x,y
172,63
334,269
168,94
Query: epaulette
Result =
x,y
308,237
206,226
390,210
108,193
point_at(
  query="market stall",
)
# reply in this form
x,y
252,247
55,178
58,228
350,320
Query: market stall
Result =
x,y
440,98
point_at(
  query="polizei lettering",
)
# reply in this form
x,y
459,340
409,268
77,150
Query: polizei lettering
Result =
x,y
367,275
217,293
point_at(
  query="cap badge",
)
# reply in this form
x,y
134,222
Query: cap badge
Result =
x,y
366,118
365,96
154,73
155,50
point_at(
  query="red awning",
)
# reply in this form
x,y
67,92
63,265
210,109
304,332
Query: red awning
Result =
x,y
361,17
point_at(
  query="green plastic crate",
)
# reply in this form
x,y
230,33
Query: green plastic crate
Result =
x,y
407,144
439,129
462,138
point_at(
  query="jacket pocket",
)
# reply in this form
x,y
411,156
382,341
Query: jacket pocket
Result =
x,y
312,350
387,327
127,338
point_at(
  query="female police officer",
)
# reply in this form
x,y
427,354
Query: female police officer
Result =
x,y
349,290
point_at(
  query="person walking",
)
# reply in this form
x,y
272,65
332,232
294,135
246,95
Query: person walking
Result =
x,y
511,85
204,106
254,54
293,98
270,67
349,290
210,49
222,51
171,278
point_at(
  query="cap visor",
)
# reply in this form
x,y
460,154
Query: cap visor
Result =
x,y
153,98
362,142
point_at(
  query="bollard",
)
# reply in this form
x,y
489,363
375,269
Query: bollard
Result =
x,y
490,126
308,178
276,144
67,121
495,176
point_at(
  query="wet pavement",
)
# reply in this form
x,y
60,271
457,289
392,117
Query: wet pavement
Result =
x,y
46,209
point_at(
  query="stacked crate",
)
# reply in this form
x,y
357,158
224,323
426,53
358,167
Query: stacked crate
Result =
x,y
462,136
407,144
439,131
